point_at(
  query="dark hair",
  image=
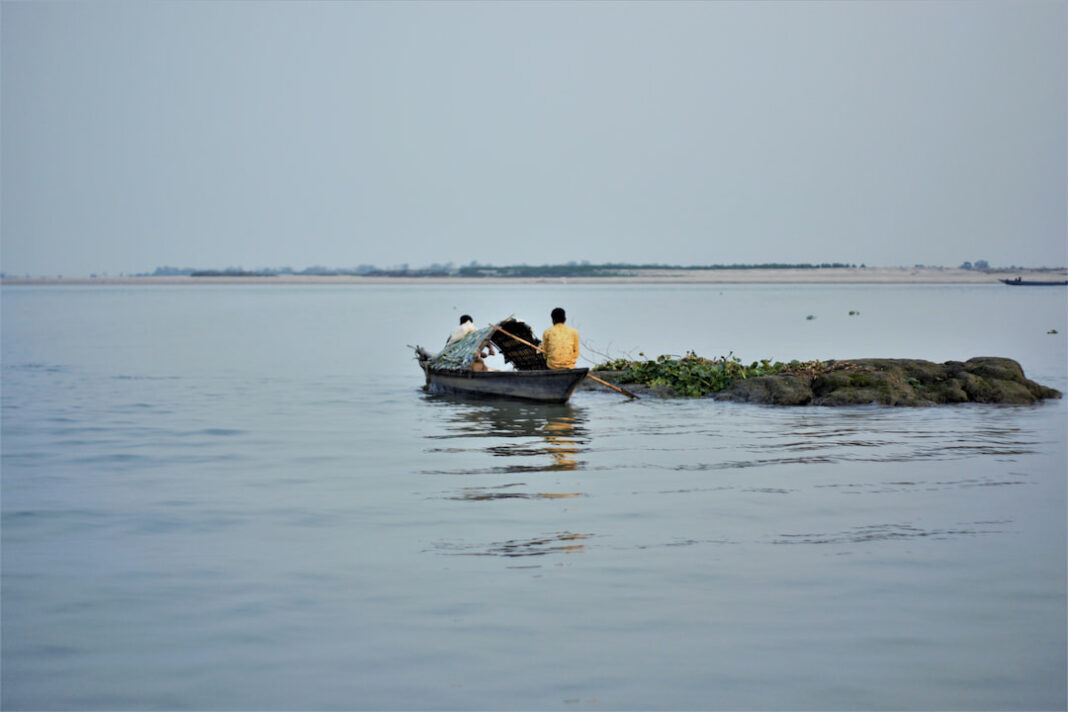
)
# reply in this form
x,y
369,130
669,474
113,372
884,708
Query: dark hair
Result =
x,y
558,315
465,317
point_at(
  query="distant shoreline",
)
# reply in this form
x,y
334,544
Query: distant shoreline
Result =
x,y
836,275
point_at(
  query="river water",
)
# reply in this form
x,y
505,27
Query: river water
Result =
x,y
238,497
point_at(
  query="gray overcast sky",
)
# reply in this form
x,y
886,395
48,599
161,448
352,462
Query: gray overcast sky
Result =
x,y
259,134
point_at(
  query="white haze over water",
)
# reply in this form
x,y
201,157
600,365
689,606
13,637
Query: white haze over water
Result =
x,y
293,134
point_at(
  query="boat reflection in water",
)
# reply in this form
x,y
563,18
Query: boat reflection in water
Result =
x,y
533,439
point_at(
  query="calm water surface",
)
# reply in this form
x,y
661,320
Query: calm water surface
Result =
x,y
238,497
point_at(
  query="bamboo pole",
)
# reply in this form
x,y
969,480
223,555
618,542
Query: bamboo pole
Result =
x,y
588,375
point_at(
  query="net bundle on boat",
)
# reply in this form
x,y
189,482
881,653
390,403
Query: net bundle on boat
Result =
x,y
520,355
459,355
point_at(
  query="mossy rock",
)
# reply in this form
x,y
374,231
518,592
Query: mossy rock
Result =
x,y
896,382
882,384
948,390
783,389
988,379
995,369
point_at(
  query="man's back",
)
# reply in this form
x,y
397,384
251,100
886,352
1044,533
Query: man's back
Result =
x,y
561,345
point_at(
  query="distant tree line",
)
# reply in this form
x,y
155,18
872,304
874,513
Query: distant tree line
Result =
x,y
265,272
585,269
570,269
474,269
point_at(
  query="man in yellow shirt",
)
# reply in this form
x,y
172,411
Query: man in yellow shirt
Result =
x,y
560,342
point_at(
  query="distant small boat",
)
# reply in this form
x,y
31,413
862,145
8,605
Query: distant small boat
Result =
x,y
1033,283
532,380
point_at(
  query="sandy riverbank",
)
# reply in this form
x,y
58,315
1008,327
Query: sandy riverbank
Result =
x,y
868,275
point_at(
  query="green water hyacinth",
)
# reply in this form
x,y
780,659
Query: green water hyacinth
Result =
x,y
693,375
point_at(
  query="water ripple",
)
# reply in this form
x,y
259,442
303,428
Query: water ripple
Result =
x,y
557,543
507,491
890,532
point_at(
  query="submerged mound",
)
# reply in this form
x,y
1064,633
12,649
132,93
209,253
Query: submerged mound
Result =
x,y
897,382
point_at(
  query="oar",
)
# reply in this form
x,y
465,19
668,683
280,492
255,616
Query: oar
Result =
x,y
589,376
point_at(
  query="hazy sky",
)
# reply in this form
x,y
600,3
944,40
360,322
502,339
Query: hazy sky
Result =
x,y
256,134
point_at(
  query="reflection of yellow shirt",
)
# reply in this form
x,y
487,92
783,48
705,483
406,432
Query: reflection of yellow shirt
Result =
x,y
561,344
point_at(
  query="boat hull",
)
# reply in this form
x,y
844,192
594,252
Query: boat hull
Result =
x,y
1026,283
552,386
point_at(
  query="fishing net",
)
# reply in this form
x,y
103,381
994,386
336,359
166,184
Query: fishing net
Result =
x,y
515,352
459,355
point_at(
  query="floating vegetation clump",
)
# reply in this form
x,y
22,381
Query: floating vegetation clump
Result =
x,y
902,382
695,376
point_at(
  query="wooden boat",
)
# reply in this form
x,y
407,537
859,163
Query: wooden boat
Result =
x,y
451,370
1033,283
549,386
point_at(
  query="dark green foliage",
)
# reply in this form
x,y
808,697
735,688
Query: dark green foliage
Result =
x,y
693,375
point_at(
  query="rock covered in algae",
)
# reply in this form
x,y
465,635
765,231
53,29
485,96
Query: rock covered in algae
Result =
x,y
880,381
899,382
